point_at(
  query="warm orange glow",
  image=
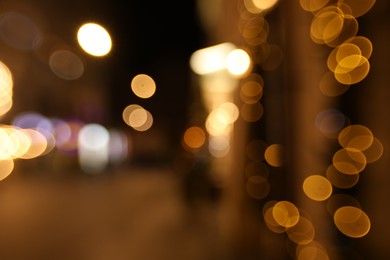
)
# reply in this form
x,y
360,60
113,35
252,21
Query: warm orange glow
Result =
x,y
6,89
143,86
317,187
354,76
349,161
259,6
274,155
211,59
327,25
356,136
286,214
6,167
313,5
147,119
352,221
312,250
194,137
358,7
251,92
38,144
302,232
374,152
255,31
270,220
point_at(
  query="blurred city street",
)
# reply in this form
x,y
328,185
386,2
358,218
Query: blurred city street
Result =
x,y
194,130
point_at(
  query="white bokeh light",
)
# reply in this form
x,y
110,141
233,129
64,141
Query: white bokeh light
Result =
x,y
94,39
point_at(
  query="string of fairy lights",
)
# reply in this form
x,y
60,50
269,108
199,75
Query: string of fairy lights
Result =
x,y
334,25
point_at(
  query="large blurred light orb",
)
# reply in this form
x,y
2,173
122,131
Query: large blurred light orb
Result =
x,y
94,39
238,62
93,137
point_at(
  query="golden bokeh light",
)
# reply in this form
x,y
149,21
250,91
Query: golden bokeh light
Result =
x,y
38,144
374,152
148,122
332,25
352,222
358,7
354,76
238,62
312,251
350,29
211,59
143,86
6,89
341,180
18,142
344,58
269,218
286,214
313,5
227,112
217,123
251,92
364,45
356,136
94,39
349,161
327,24
138,117
194,137
127,112
317,187
6,143
303,232
274,155
6,167
254,30
259,6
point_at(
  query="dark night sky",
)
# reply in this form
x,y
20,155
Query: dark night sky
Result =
x,y
152,37
157,39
